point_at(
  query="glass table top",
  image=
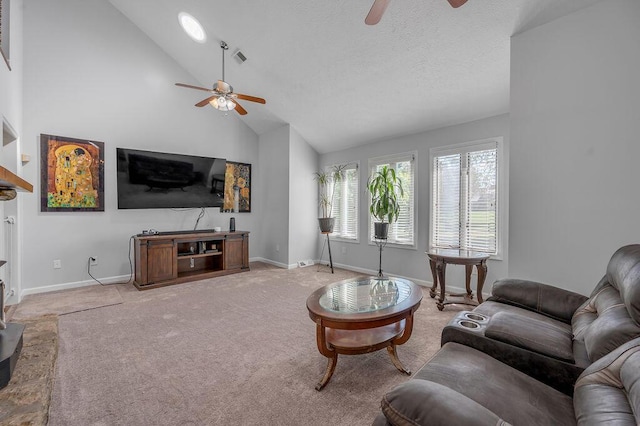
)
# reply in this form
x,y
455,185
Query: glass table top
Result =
x,y
367,294
457,253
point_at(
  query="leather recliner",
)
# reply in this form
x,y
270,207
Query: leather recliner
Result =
x,y
463,386
553,334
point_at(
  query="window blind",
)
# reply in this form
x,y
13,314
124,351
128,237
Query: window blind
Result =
x,y
402,231
481,201
345,205
465,198
446,200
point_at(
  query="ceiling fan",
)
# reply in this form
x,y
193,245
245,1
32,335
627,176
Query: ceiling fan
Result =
x,y
223,97
379,6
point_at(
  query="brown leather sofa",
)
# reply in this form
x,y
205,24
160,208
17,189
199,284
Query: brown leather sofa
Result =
x,y
463,386
520,356
553,334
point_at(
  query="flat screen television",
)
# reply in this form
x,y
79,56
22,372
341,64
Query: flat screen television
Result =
x,y
153,180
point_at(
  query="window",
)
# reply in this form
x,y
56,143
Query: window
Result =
x,y
465,196
402,231
345,204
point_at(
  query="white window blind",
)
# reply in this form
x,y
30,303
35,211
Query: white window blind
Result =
x,y
345,204
402,231
465,198
446,195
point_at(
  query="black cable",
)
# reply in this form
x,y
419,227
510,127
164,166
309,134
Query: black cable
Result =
x,y
200,216
130,267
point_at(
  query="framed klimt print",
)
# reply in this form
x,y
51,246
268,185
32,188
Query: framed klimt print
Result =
x,y
72,173
237,187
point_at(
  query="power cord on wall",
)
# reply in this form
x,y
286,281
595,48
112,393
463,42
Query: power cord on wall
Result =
x,y
200,216
91,258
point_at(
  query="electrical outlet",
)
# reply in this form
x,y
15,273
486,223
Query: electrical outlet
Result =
x,y
57,264
93,261
277,247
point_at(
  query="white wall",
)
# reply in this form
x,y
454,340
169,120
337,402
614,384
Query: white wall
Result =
x,y
274,185
303,199
412,263
90,74
575,121
11,121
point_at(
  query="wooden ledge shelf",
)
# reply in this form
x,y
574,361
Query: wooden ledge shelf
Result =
x,y
10,180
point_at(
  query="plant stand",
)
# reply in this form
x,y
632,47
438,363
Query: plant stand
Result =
x,y
381,243
322,252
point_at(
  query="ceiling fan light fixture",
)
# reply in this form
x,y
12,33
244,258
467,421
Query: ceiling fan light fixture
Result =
x,y
192,27
222,104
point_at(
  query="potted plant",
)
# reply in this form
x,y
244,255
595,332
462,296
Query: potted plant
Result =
x,y
385,187
327,181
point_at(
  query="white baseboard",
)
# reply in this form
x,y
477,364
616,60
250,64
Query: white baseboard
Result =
x,y
273,262
76,284
126,278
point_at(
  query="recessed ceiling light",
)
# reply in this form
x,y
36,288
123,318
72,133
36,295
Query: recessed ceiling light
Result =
x,y
192,27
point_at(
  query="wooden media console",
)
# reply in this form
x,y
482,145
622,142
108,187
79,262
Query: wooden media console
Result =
x,y
176,257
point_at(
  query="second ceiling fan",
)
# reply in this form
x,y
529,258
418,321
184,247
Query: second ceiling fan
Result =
x,y
379,6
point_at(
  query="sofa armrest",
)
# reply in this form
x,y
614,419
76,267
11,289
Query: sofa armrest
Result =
x,y
544,299
421,402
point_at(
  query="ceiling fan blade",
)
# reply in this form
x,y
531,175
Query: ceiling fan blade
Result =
x,y
193,87
239,108
457,3
376,12
206,101
250,98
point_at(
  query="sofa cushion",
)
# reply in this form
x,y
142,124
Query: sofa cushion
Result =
x,y
543,299
490,308
544,337
603,322
608,392
414,403
508,393
623,273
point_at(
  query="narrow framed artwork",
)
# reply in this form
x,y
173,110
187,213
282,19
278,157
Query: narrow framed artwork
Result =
x,y
72,172
237,187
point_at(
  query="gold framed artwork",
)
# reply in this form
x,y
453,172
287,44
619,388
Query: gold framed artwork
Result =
x,y
237,187
72,173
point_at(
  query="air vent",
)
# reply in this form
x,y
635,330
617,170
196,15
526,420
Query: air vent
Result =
x,y
239,57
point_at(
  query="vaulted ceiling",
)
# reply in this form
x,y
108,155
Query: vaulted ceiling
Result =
x,y
341,83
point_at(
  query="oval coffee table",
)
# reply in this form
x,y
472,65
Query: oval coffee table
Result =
x,y
362,315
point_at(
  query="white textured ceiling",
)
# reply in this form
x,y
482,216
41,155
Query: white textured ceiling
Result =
x,y
341,83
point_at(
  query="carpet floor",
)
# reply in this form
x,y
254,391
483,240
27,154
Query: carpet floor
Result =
x,y
25,400
233,350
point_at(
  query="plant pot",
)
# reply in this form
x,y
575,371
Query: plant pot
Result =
x,y
380,230
326,224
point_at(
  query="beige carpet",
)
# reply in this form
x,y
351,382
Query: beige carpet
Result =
x,y
66,301
234,350
25,400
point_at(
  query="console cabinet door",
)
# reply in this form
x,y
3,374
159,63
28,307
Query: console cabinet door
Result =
x,y
236,252
161,261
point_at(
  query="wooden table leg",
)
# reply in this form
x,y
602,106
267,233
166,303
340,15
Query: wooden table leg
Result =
x,y
331,367
434,287
441,268
482,275
327,351
394,358
468,269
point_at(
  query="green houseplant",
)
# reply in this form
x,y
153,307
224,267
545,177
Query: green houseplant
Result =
x,y
385,187
327,181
